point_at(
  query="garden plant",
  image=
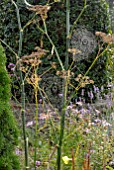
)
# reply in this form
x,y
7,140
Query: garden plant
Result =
x,y
61,58
8,127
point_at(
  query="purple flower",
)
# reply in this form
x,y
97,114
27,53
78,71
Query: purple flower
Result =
x,y
38,163
18,152
97,111
13,68
79,103
83,111
96,89
69,107
12,75
40,100
18,78
87,130
90,95
109,85
80,99
60,95
31,123
82,93
11,65
106,124
97,120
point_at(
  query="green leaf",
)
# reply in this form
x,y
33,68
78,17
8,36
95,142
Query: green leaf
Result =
x,y
110,168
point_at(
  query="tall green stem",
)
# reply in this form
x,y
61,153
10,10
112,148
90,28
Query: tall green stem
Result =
x,y
23,123
62,123
51,42
22,86
97,57
77,19
62,126
88,70
67,33
16,55
29,5
36,127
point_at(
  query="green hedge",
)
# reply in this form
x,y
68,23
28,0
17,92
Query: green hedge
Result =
x,y
8,128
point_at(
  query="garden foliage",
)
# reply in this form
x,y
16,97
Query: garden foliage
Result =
x,y
66,134
95,18
8,126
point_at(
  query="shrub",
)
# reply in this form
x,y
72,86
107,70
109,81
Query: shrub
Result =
x,y
8,127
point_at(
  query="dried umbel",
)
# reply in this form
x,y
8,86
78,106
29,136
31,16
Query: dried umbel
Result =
x,y
29,65
106,38
41,10
34,58
33,80
74,51
53,65
83,80
64,73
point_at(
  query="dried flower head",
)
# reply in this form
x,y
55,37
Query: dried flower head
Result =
x,y
53,64
74,51
41,10
34,58
24,69
64,73
33,80
83,80
106,38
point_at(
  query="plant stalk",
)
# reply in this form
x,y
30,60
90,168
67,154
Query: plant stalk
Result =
x,y
62,126
67,33
93,63
91,66
24,128
51,42
36,121
75,22
22,86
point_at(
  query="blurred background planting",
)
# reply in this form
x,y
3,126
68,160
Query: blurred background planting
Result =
x,y
60,59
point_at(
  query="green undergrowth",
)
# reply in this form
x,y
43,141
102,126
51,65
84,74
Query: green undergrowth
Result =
x,y
88,139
